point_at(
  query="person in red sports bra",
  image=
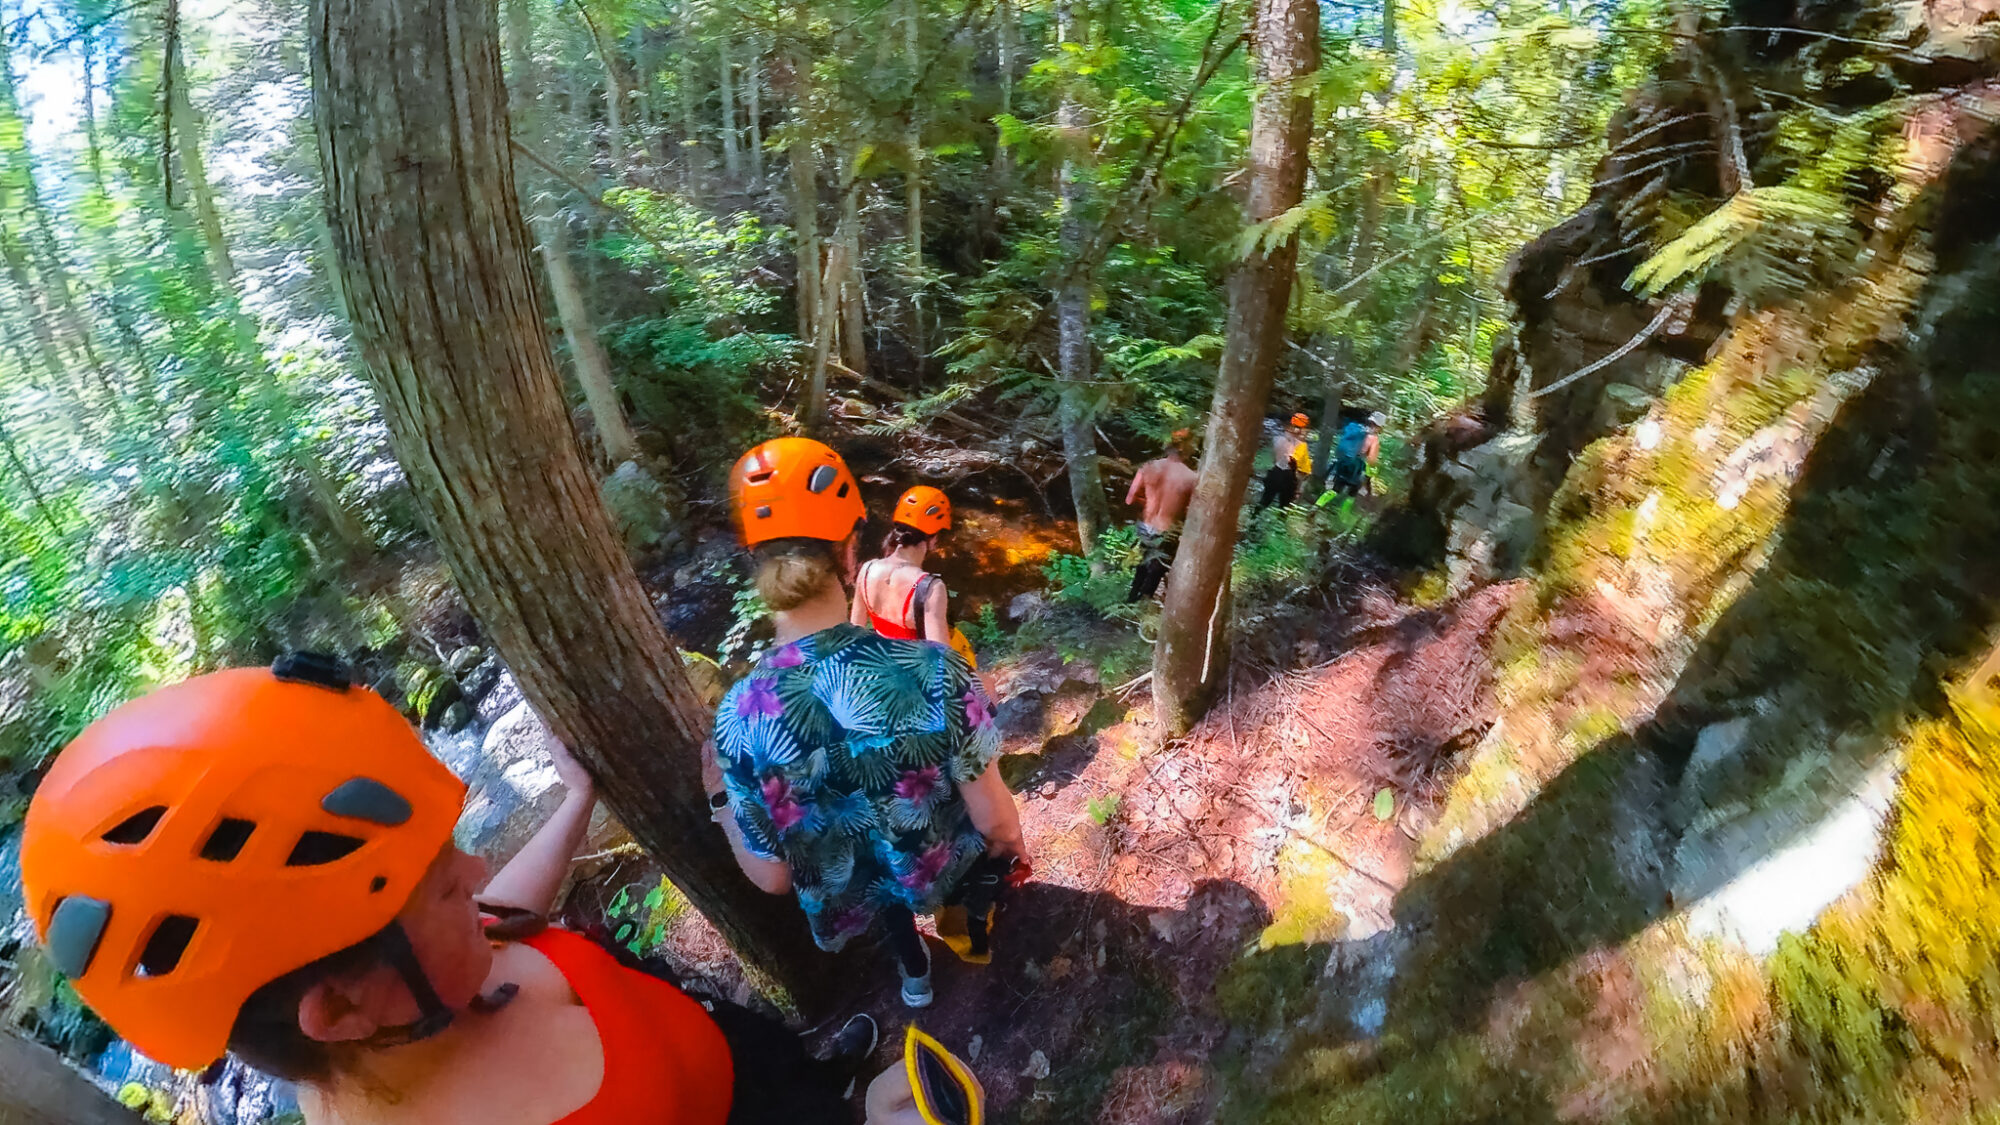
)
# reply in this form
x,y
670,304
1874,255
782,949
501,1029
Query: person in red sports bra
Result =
x,y
921,604
260,862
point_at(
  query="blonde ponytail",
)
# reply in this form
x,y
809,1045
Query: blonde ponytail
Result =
x,y
792,572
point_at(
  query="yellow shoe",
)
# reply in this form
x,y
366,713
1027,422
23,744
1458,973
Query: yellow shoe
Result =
x,y
954,926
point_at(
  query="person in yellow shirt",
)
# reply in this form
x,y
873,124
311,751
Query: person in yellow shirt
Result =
x,y
1291,459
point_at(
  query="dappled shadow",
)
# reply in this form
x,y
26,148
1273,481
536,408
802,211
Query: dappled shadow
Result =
x,y
1116,1000
1883,585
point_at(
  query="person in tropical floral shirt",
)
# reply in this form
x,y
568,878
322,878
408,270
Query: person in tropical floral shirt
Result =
x,y
851,769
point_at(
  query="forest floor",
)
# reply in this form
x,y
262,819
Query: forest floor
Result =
x,y
1287,817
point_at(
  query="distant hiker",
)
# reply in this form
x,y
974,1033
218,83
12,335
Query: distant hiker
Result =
x,y
261,861
1164,485
1354,454
1291,458
899,579
855,770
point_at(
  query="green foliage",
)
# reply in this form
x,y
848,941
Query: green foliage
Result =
x,y
1756,243
1102,810
1098,582
984,630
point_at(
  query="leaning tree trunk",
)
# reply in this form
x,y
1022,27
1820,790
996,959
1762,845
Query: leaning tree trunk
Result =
x,y
593,368
38,1088
411,115
1077,413
1191,657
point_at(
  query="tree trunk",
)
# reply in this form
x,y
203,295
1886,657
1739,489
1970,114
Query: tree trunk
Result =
x,y
1192,654
913,140
913,184
753,98
593,368
812,412
805,219
693,153
853,285
1078,414
411,117
732,159
187,146
614,92
38,1088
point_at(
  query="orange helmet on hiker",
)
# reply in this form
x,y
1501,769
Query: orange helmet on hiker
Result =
x,y
206,839
925,508
1301,421
794,488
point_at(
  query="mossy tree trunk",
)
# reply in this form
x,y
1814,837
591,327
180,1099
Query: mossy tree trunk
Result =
x,y
411,116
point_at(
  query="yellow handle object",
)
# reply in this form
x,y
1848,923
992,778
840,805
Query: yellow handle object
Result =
x,y
946,1092
963,647
1303,458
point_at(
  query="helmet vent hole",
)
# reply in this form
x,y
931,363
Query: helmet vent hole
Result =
x,y
822,478
226,842
315,849
378,884
843,492
135,828
760,478
169,942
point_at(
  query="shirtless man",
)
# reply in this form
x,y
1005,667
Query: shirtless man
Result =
x,y
1164,485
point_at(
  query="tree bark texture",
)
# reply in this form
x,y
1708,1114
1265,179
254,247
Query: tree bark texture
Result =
x,y
753,104
593,368
411,116
38,1088
1192,654
853,283
1077,415
732,159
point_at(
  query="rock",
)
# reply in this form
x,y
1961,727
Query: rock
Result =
x,y
1037,1068
973,1048
1027,607
1716,743
456,717
645,512
502,697
511,785
438,699
1773,869
465,660
481,679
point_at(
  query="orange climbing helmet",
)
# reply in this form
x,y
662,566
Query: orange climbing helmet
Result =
x,y
793,487
1301,421
925,508
206,839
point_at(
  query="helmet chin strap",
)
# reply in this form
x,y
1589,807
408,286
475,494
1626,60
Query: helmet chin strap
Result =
x,y
434,1015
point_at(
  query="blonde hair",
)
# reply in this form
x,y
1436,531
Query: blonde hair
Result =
x,y
792,572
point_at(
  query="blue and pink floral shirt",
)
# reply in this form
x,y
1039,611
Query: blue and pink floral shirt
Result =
x,y
843,754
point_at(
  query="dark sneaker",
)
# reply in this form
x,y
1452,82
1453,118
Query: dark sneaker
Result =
x,y
853,1046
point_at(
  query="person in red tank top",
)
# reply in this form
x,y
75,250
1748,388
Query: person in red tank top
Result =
x,y
915,601
323,926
